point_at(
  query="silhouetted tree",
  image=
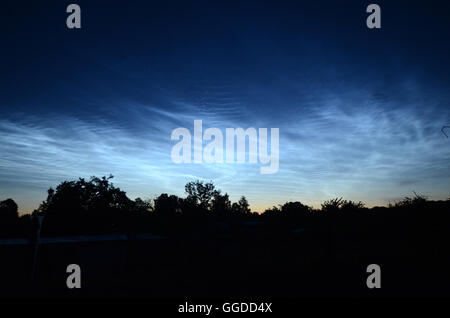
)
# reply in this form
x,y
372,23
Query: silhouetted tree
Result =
x,y
143,206
98,195
241,207
295,209
167,206
220,204
332,205
8,210
271,212
80,206
409,202
200,194
351,206
9,217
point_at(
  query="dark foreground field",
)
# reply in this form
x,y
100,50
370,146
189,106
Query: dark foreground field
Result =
x,y
205,246
252,256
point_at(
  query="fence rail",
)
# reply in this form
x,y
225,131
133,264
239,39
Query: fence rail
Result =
x,y
83,238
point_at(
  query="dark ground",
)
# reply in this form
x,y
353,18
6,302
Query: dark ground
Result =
x,y
246,258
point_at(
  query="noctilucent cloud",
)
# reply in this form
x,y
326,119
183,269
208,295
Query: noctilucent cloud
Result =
x,y
359,110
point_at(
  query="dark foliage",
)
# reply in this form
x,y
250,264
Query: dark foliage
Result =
x,y
216,246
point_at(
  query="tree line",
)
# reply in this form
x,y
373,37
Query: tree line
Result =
x,y
97,206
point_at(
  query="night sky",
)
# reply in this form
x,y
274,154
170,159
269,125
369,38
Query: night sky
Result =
x,y
359,110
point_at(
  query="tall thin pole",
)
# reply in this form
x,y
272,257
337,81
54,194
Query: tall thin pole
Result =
x,y
36,245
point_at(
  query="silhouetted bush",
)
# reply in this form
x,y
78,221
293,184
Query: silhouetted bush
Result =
x,y
9,218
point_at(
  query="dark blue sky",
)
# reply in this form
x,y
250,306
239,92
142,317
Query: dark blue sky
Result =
x,y
359,110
